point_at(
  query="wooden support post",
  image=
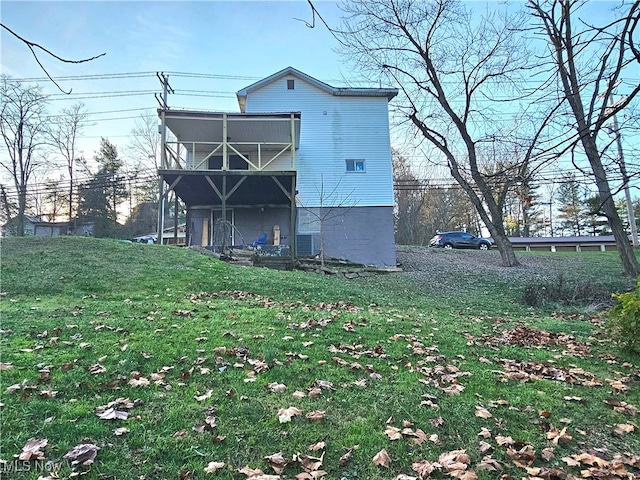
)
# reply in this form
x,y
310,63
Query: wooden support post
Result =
x,y
163,162
292,235
224,202
225,154
293,142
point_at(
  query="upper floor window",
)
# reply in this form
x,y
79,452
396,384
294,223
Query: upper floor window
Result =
x,y
355,165
291,85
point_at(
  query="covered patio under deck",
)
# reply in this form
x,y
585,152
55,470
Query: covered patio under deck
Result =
x,y
236,167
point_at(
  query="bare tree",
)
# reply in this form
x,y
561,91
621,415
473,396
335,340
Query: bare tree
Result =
x,y
144,151
409,198
588,61
23,129
63,134
332,204
460,80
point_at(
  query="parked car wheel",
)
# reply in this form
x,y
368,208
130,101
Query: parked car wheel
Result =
x,y
448,246
483,246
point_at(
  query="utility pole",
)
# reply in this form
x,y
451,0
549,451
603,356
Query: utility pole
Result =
x,y
166,89
625,180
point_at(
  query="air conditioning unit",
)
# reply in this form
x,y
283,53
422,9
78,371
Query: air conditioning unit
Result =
x,y
304,245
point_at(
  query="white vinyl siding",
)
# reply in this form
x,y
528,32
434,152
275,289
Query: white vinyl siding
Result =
x,y
333,129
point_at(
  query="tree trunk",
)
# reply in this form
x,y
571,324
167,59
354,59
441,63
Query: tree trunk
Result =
x,y
505,248
630,264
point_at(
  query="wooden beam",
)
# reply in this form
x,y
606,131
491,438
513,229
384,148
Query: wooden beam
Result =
x,y
236,186
284,190
215,189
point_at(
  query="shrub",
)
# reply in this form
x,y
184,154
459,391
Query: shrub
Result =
x,y
624,318
566,293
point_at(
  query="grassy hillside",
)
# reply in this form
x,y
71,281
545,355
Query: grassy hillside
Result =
x,y
156,361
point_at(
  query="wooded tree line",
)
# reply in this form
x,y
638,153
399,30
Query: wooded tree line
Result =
x,y
497,94
568,207
90,191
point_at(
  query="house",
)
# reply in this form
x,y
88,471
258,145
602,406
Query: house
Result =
x,y
30,224
35,226
303,162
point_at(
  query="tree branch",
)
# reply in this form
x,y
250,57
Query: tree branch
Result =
x,y
32,45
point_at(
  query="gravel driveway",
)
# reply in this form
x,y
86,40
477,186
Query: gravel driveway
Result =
x,y
427,264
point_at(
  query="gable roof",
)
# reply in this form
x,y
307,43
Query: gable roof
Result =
x,y
389,93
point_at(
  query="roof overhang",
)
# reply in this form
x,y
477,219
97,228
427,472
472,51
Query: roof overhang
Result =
x,y
208,127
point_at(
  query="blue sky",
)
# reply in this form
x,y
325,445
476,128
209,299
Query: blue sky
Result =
x,y
240,39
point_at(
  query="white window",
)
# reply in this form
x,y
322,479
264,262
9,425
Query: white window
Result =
x,y
354,165
308,220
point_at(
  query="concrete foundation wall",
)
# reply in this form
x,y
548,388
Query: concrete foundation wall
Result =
x,y
359,234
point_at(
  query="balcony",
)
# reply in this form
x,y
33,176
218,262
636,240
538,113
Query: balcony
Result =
x,y
230,142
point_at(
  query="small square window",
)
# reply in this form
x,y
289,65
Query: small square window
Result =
x,y
291,85
355,165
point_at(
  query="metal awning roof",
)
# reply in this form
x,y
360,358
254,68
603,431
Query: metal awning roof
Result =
x,y
203,127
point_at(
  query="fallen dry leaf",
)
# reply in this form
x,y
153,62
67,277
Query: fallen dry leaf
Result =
x,y
455,389
97,368
502,441
316,446
490,464
624,428
204,396
485,447
285,414
424,468
344,459
277,387
315,416
548,454
382,459
558,436
83,454
32,449
139,382
309,463
213,467
112,414
298,394
120,431
393,433
483,412
277,462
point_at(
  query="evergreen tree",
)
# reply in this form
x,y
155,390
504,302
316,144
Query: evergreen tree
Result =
x,y
99,197
572,211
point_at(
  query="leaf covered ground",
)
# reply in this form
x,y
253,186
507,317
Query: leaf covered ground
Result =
x,y
124,361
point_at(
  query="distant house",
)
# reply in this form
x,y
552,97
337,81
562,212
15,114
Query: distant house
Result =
x,y
303,162
34,226
30,222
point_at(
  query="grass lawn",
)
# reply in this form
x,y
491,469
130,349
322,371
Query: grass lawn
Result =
x,y
154,362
